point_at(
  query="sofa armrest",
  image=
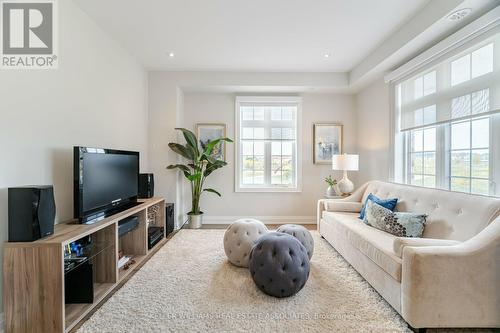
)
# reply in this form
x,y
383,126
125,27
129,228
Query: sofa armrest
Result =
x,y
401,242
453,286
343,206
354,198
323,204
357,195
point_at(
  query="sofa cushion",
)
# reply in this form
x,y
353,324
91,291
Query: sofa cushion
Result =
x,y
400,224
401,242
386,203
377,245
451,215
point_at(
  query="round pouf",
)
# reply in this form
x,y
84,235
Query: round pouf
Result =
x,y
239,239
279,264
302,234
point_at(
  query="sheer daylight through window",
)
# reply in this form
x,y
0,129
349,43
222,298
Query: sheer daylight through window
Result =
x,y
267,148
447,131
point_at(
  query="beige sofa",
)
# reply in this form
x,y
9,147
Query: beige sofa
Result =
x,y
449,278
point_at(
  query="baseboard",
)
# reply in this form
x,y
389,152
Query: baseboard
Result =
x,y
265,219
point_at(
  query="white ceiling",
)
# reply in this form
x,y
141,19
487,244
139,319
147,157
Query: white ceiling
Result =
x,y
251,35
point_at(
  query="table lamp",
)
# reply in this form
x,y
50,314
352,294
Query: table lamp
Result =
x,y
345,162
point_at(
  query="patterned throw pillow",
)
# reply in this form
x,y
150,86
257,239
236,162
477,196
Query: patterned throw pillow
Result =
x,y
386,203
397,223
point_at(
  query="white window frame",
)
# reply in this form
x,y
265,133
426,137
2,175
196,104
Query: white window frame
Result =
x,y
480,30
297,187
443,156
409,153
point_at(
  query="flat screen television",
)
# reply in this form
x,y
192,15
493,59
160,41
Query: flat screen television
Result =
x,y
106,182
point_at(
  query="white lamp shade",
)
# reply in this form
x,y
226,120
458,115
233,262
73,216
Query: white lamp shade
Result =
x,y
347,162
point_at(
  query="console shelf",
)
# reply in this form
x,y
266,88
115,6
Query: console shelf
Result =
x,y
75,312
122,272
34,276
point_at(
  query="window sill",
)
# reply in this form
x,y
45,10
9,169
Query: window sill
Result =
x,y
267,190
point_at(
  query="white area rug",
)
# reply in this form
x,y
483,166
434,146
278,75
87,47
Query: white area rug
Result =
x,y
189,286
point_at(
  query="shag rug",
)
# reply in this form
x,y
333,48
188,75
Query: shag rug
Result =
x,y
189,286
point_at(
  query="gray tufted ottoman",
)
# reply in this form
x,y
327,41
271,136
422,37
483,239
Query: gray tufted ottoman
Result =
x,y
239,239
302,234
279,264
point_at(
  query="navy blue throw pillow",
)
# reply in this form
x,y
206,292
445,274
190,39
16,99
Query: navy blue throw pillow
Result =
x,y
386,203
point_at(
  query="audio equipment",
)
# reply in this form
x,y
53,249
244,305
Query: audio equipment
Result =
x,y
127,225
32,211
155,234
78,285
169,217
146,185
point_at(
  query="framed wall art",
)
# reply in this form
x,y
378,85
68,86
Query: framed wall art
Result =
x,y
327,141
207,132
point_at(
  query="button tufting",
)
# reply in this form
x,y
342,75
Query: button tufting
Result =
x,y
281,275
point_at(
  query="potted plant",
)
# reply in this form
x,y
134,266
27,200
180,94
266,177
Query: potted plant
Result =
x,y
332,183
201,164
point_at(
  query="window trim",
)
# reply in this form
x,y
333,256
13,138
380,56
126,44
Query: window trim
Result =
x,y
298,158
443,157
482,28
475,34
492,121
408,158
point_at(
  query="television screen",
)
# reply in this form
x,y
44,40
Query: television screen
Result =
x,y
106,180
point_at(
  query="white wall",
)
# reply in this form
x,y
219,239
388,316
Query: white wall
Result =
x,y
373,120
167,92
97,97
276,207
209,96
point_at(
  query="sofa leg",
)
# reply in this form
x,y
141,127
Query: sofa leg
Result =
x,y
418,330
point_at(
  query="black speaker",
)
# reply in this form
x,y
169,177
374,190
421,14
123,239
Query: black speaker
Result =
x,y
146,185
169,217
78,285
32,211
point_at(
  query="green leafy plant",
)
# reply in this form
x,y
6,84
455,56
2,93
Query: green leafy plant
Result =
x,y
201,164
330,181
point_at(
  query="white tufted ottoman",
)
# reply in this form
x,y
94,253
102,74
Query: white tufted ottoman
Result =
x,y
302,234
239,239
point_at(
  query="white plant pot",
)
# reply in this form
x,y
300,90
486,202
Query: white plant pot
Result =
x,y
195,221
330,191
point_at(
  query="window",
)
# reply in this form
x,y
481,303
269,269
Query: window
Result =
x,y
469,156
422,157
472,65
425,85
447,131
268,145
